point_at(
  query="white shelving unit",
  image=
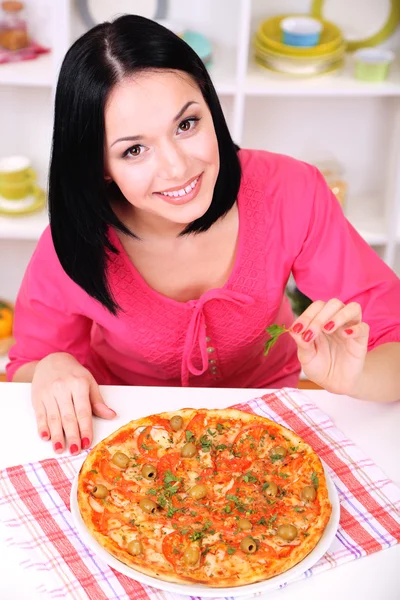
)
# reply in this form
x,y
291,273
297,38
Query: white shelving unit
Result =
x,y
336,115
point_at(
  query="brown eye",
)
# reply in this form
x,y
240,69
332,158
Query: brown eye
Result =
x,y
185,125
133,151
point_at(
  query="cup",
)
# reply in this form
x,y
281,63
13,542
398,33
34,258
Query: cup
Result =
x,y
372,64
17,178
301,31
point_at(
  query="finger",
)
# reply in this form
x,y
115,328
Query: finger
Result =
x,y
83,409
358,332
301,324
41,418
63,395
306,351
99,407
54,423
350,314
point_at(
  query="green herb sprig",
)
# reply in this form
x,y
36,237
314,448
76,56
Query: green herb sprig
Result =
x,y
275,331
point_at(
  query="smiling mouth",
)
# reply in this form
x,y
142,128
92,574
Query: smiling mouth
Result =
x,y
183,191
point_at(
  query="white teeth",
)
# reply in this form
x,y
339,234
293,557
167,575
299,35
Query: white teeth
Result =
x,y
181,192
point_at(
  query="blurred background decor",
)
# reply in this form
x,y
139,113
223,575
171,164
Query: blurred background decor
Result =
x,y
6,324
19,191
364,23
16,43
314,55
97,11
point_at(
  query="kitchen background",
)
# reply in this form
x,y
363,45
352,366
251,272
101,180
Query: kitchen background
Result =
x,y
335,104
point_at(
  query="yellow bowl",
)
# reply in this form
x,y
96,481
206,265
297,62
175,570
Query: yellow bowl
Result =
x,y
272,65
269,35
261,51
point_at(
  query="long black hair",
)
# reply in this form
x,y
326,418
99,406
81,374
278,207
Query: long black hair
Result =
x,y
79,198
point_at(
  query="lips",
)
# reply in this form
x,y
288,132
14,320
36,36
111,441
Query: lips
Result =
x,y
183,195
179,188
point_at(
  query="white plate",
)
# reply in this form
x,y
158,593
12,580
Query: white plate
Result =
x,y
212,592
97,11
358,19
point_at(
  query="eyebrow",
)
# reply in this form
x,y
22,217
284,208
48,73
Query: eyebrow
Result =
x,y
136,138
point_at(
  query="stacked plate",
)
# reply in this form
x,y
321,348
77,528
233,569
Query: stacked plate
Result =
x,y
273,54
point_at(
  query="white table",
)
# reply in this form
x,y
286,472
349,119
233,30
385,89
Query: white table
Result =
x,y
373,427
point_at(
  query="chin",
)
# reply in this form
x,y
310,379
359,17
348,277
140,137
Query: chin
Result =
x,y
188,213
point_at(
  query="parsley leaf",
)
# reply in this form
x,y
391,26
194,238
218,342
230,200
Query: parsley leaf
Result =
x,y
315,480
274,331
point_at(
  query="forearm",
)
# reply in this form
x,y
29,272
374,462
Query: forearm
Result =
x,y
25,373
380,379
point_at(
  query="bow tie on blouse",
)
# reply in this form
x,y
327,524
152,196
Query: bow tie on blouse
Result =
x,y
196,333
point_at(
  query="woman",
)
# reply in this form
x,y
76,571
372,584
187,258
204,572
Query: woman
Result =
x,y
169,249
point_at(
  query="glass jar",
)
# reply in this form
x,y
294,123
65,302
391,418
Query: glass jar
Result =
x,y
333,173
13,26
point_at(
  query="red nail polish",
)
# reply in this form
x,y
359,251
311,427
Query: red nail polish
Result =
x,y
348,331
308,335
329,326
298,327
85,442
44,435
74,449
57,446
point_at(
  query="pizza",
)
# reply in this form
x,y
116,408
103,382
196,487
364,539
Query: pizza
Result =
x,y
221,498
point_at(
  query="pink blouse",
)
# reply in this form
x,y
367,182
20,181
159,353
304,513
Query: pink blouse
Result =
x,y
288,221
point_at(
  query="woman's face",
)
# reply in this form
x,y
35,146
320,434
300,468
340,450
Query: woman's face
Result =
x,y
160,146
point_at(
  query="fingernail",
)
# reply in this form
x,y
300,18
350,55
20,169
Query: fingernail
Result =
x,y
297,328
329,326
44,435
74,449
308,335
348,331
85,442
58,446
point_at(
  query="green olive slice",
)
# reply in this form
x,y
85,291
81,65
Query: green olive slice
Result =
x,y
287,532
189,450
191,555
198,491
135,547
100,491
308,493
176,423
244,524
271,489
148,505
248,545
121,460
277,452
149,472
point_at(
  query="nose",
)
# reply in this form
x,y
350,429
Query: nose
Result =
x,y
171,162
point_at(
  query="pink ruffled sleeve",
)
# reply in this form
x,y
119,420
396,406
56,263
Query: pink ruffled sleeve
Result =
x,y
46,318
333,261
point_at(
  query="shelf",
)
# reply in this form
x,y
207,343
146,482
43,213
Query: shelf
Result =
x,y
371,225
223,70
37,72
261,82
29,227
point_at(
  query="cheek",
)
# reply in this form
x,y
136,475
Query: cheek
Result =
x,y
207,148
134,181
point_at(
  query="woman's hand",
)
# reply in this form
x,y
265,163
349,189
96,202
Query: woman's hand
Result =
x,y
332,344
64,396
